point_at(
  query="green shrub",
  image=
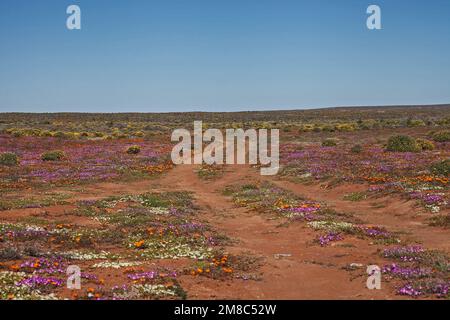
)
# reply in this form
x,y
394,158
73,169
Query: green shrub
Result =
x,y
402,144
59,134
328,128
72,135
356,149
424,144
415,123
355,196
46,133
18,133
442,136
98,134
9,254
307,128
9,159
441,168
55,155
134,150
348,127
329,143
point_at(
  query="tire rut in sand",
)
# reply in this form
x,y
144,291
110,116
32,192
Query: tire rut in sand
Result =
x,y
293,269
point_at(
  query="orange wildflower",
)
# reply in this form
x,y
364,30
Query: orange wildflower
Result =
x,y
139,244
14,267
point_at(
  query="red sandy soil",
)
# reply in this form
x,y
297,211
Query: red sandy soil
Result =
x,y
307,271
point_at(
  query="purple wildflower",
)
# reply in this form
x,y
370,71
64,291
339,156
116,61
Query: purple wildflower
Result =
x,y
407,254
39,281
406,272
330,237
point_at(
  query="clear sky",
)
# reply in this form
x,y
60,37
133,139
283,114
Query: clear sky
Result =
x,y
221,55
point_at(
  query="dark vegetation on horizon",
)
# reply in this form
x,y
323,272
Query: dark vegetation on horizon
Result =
x,y
336,113
148,125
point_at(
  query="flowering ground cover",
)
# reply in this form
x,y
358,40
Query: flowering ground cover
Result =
x,y
100,192
209,172
333,225
133,232
410,174
225,267
421,272
45,200
82,161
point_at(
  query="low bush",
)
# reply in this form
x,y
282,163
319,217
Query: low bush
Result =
x,y
356,149
425,145
402,144
134,150
9,254
415,123
59,134
9,159
329,143
442,136
441,168
55,155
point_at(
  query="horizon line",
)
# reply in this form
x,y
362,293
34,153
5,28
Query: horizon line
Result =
x,y
240,111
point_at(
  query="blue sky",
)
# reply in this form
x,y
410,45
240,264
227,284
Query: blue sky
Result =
x,y
221,55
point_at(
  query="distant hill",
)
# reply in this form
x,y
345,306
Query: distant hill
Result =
x,y
335,113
